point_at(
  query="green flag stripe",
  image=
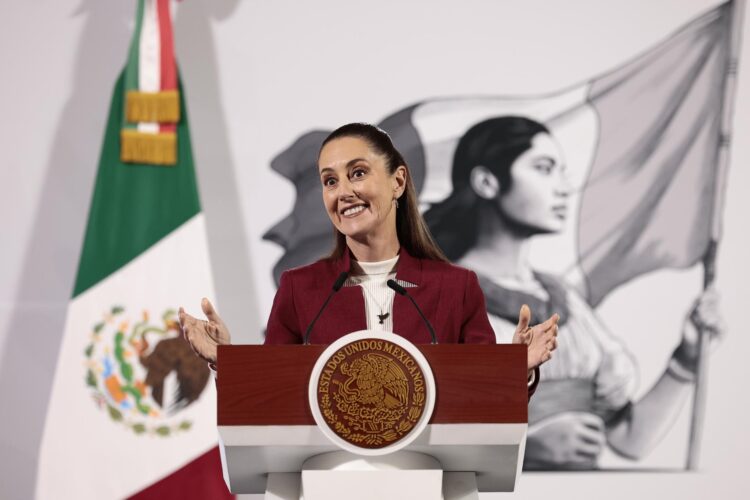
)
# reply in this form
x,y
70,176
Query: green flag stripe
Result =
x,y
134,206
131,68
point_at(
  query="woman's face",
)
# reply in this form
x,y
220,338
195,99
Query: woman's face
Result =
x,y
538,195
358,191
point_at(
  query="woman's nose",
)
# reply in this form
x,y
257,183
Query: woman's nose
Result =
x,y
345,190
564,188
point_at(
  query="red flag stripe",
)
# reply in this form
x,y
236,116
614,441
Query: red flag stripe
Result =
x,y
168,65
201,479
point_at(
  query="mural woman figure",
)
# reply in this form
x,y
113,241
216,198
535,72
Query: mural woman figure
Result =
x,y
509,185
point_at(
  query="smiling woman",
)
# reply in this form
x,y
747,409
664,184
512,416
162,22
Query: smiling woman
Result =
x,y
360,167
380,235
360,197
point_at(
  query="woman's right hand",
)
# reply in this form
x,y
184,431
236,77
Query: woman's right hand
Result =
x,y
204,335
568,440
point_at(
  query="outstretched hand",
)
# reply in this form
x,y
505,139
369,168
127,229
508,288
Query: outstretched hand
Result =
x,y
541,339
204,335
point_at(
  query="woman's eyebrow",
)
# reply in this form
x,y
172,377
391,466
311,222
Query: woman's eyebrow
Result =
x,y
349,164
354,161
547,158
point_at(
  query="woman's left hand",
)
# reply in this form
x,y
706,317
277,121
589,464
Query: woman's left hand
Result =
x,y
541,339
705,318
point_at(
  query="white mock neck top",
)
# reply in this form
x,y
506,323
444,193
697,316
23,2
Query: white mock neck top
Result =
x,y
372,277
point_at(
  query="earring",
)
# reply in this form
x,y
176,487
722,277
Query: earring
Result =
x,y
396,201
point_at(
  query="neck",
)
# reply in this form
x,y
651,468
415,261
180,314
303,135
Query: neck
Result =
x,y
374,248
501,251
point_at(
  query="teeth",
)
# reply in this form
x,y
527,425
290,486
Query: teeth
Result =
x,y
354,210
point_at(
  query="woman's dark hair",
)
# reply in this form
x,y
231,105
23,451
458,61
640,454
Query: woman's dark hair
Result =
x,y
411,228
495,144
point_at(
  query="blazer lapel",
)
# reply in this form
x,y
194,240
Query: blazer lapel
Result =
x,y
350,303
345,312
406,319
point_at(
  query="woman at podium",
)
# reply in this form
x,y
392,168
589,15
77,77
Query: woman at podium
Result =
x,y
380,236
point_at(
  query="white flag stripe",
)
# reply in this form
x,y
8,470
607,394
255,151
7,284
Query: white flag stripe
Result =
x,y
173,272
149,62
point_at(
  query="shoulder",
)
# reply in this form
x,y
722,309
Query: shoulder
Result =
x,y
562,287
321,273
448,273
447,268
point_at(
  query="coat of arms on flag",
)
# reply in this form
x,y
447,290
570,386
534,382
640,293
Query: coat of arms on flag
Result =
x,y
141,373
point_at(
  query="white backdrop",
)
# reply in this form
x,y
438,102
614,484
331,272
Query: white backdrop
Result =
x,y
259,73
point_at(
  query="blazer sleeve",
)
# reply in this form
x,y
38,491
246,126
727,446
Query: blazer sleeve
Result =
x,y
535,383
283,322
475,324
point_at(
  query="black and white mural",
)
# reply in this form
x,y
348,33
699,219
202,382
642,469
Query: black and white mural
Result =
x,y
556,201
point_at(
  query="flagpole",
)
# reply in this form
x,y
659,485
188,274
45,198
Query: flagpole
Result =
x,y
709,259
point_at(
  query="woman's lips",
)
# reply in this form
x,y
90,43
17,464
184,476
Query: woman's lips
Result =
x,y
353,211
560,211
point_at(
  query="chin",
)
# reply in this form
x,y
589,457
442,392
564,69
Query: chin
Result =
x,y
522,226
357,229
549,227
549,230
353,232
528,228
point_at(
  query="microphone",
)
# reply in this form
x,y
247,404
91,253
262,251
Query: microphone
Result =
x,y
336,287
402,291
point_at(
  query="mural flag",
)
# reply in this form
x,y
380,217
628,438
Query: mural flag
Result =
x,y
649,199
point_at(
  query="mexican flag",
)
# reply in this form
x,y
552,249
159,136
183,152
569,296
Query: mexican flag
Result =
x,y
133,410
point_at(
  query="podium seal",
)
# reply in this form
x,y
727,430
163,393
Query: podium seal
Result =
x,y
372,393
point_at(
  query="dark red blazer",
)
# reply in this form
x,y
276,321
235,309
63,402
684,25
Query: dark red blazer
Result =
x,y
449,296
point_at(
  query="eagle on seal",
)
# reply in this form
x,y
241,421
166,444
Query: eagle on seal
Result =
x,y
379,382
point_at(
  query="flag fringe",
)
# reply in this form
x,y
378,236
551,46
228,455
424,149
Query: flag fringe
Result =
x,y
152,149
159,107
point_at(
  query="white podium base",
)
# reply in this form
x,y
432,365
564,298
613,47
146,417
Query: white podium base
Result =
x,y
460,486
283,486
402,475
251,454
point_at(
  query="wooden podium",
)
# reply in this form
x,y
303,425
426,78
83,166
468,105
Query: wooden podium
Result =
x,y
477,431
